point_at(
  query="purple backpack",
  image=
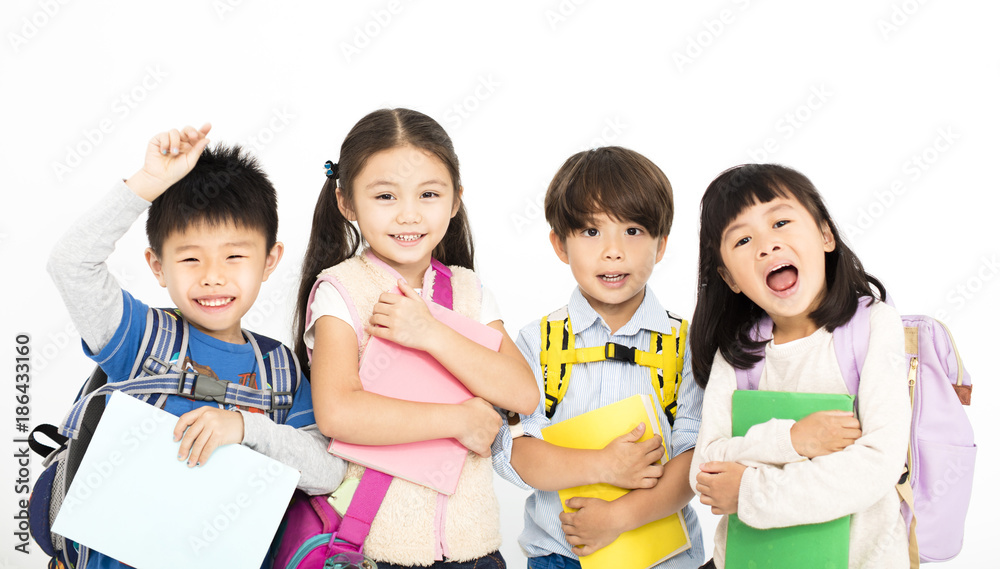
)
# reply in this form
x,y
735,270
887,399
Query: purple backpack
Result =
x,y
937,485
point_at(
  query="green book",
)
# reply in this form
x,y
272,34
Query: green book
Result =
x,y
815,545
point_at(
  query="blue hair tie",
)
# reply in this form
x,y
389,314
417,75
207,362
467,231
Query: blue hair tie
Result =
x,y
332,169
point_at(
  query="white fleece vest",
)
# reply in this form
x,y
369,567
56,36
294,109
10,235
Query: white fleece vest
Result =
x,y
407,528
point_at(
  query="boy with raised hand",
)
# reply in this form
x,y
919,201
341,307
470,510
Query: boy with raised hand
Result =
x,y
610,210
212,229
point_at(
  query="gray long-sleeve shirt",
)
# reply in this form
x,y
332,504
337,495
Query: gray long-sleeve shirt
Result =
x,y
95,303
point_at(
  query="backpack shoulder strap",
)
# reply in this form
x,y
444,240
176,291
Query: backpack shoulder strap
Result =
x,y
750,378
670,366
850,341
557,338
280,369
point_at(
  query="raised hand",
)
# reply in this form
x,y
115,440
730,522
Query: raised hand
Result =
x,y
169,157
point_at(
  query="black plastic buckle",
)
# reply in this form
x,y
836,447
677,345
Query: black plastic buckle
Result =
x,y
275,406
619,353
203,387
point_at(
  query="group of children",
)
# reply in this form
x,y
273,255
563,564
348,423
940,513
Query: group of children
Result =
x,y
390,215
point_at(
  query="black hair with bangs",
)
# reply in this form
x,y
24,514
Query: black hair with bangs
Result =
x,y
227,185
723,320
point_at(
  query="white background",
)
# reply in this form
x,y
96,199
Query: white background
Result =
x,y
850,94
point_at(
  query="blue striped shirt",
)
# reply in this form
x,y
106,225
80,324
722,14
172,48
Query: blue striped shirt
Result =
x,y
595,385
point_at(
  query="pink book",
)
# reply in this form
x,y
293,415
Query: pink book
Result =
x,y
404,373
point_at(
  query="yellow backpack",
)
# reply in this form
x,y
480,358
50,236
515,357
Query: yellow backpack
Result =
x,y
558,350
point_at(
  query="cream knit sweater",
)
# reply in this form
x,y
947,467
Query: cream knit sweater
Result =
x,y
782,488
405,530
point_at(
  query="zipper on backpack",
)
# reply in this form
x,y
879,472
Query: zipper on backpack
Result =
x,y
307,547
911,378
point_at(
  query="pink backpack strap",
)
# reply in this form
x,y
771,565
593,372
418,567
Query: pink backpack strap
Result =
x,y
350,306
371,491
357,522
443,294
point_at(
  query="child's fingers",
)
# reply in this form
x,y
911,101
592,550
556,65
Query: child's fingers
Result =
x,y
407,290
379,320
198,449
714,467
187,443
576,503
161,142
175,141
183,422
205,128
198,147
190,135
389,298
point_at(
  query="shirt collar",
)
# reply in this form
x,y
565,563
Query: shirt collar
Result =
x,y
649,316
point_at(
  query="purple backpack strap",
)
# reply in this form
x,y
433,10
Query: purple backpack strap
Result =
x,y
850,342
750,378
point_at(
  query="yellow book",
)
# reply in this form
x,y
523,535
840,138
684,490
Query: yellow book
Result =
x,y
644,546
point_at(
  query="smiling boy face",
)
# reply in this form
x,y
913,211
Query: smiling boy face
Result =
x,y
611,260
213,274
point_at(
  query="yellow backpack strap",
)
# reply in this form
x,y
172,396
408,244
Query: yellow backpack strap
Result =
x,y
557,343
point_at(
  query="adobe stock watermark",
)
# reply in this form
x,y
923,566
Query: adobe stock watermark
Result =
x,y
532,208
790,123
366,33
697,43
84,486
913,168
899,16
463,109
278,122
121,107
31,25
224,8
228,511
969,287
560,13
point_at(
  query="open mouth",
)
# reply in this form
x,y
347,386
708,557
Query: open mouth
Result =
x,y
613,278
782,277
214,302
408,237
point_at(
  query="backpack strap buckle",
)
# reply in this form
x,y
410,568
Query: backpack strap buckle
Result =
x,y
287,404
619,353
203,387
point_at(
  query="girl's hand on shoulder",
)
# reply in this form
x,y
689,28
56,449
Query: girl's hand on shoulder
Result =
x,y
404,319
825,432
480,426
205,429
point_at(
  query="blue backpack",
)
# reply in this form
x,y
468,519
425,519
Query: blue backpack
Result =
x,y
152,379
